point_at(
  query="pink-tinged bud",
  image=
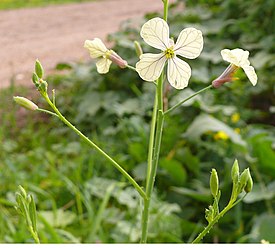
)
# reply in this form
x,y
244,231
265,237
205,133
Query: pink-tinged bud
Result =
x,y
26,103
116,59
226,76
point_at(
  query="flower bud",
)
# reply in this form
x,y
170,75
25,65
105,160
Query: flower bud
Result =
x,y
35,79
209,214
26,103
116,59
214,183
226,76
138,48
244,177
249,185
22,191
39,69
43,87
235,171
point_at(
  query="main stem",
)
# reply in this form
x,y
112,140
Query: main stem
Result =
x,y
93,145
154,149
154,145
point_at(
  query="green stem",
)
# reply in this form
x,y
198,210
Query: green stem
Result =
x,y
230,205
186,99
152,139
131,67
34,235
47,111
165,9
154,145
93,145
154,152
211,224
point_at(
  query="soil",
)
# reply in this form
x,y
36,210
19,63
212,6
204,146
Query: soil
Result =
x,y
56,34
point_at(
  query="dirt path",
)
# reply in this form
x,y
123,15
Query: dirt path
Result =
x,y
57,33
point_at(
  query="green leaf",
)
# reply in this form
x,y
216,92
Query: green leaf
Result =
x,y
32,211
59,219
204,196
174,169
259,194
263,150
263,229
204,123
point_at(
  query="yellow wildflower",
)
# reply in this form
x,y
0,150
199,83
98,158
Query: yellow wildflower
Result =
x,y
235,117
221,135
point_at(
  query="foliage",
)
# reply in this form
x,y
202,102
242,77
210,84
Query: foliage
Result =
x,y
12,4
74,188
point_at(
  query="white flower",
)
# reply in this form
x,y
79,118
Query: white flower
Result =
x,y
97,49
239,58
189,44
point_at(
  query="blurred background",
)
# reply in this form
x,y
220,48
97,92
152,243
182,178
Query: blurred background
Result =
x,y
69,180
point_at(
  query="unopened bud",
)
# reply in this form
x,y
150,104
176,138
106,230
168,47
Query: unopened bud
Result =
x,y
209,214
43,87
138,48
39,69
26,103
35,79
249,185
22,191
235,172
214,183
244,177
226,76
116,59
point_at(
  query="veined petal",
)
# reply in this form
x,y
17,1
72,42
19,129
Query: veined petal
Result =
x,y
178,73
236,56
103,65
251,74
189,43
150,66
95,47
155,33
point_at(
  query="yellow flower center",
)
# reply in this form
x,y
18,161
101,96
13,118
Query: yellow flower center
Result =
x,y
169,52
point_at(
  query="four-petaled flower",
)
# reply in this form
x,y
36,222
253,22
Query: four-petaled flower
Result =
x,y
155,33
237,58
97,49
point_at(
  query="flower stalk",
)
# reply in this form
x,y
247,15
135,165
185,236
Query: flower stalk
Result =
x,y
93,145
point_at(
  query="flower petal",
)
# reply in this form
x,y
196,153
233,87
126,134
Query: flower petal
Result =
x,y
150,66
251,74
178,73
189,43
155,33
95,47
236,56
103,65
